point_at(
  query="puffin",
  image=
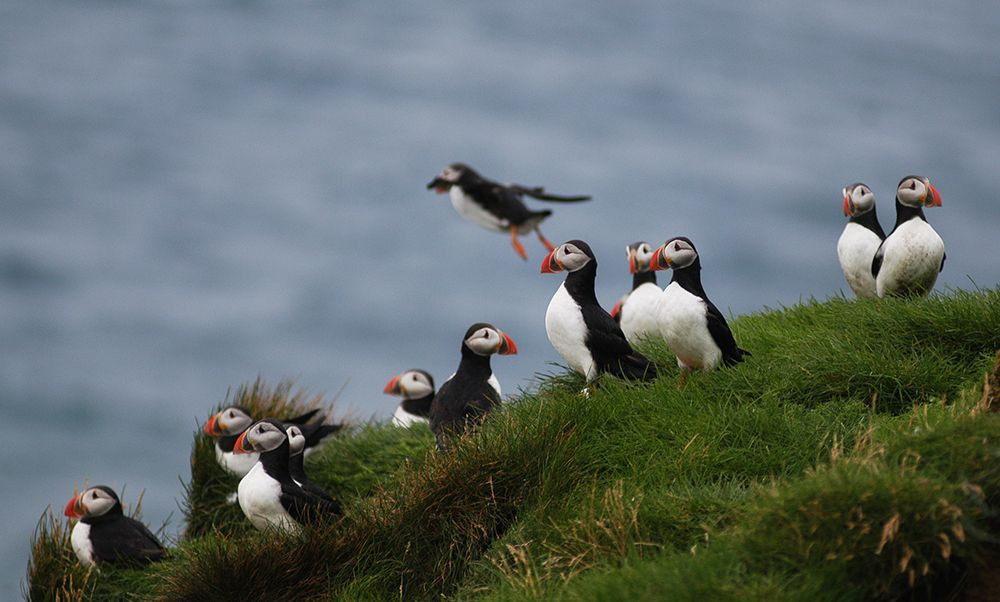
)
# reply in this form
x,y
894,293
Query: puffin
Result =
x,y
104,535
636,312
585,335
473,391
416,387
860,239
496,206
227,424
268,495
296,467
693,328
910,258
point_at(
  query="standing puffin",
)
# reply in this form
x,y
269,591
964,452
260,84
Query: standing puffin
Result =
x,y
636,312
910,258
860,239
496,206
228,424
296,464
416,387
473,390
105,535
694,329
267,494
585,335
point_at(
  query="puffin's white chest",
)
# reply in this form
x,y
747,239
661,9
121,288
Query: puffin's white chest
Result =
x,y
855,250
260,498
472,211
911,259
638,313
567,332
404,419
238,464
80,538
683,322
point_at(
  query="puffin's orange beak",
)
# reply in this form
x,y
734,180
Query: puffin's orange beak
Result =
x,y
847,205
240,446
550,264
211,426
507,346
392,387
631,262
617,309
74,509
655,264
933,199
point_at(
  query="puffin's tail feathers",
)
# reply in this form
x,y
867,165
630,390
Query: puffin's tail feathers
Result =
x,y
634,367
736,358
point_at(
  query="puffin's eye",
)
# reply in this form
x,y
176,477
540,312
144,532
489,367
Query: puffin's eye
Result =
x,y
677,246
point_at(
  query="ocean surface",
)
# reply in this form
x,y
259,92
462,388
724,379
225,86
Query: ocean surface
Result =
x,y
193,194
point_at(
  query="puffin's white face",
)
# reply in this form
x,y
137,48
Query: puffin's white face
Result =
x,y
916,191
858,199
228,422
261,437
570,257
485,341
639,255
411,385
92,502
296,440
452,173
674,253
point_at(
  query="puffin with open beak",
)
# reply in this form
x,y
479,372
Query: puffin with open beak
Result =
x,y
416,387
694,329
636,312
860,239
268,495
496,206
585,335
473,391
103,534
910,258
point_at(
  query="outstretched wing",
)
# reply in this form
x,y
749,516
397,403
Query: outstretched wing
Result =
x,y
537,192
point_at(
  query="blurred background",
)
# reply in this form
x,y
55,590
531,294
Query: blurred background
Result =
x,y
197,193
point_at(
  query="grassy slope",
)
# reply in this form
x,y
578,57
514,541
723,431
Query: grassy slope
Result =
x,y
848,459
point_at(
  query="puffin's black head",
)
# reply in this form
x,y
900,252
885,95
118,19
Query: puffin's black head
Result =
x,y
858,199
456,173
486,339
639,254
95,501
569,256
916,191
412,384
262,436
677,253
229,421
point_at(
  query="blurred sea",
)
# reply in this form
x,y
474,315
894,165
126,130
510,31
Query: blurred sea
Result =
x,y
197,193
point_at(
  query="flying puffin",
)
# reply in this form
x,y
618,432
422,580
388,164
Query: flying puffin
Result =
x,y
910,258
861,238
496,206
416,387
585,335
226,426
267,494
296,467
636,312
473,390
105,535
694,329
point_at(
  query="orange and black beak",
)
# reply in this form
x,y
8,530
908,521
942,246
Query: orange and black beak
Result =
x,y
212,428
848,205
631,262
551,264
507,346
933,199
617,309
392,387
655,265
440,186
75,508
240,446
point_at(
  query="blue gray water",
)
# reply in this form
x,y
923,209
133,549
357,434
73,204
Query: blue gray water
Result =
x,y
197,193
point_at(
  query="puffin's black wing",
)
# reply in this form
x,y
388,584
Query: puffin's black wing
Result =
x,y
314,433
723,336
302,418
126,541
500,201
877,260
303,506
537,192
943,257
611,350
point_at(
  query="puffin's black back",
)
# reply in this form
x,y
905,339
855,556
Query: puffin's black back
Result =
x,y
121,540
466,397
301,505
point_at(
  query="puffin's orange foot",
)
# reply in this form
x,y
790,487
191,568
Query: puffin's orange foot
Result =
x,y
544,240
517,244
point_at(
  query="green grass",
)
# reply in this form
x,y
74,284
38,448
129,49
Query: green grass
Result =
x,y
851,458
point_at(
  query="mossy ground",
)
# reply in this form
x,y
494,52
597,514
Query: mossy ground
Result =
x,y
853,457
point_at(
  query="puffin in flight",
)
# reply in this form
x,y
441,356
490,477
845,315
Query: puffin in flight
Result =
x,y
496,206
416,387
296,464
226,425
104,534
636,312
910,258
268,495
473,390
860,239
694,329
585,335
